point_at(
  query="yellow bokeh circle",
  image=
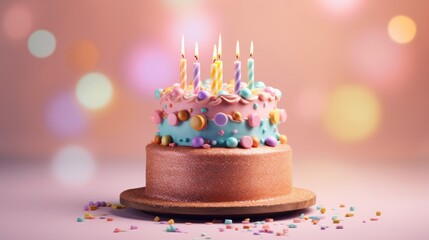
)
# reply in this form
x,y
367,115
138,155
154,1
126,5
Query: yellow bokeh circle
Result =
x,y
352,113
94,91
402,29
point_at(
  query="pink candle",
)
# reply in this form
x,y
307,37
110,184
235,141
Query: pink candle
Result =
x,y
197,73
237,70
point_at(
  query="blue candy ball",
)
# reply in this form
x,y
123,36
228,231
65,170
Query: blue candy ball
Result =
x,y
222,92
231,142
245,93
260,84
158,93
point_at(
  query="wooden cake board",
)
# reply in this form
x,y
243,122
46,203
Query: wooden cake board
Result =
x,y
299,198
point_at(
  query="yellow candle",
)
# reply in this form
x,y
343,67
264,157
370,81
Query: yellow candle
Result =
x,y
219,65
214,72
183,75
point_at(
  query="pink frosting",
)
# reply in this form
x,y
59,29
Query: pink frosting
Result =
x,y
176,101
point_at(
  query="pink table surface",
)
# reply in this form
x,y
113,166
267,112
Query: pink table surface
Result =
x,y
35,206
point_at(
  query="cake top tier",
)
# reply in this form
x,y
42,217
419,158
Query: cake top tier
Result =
x,y
212,113
225,119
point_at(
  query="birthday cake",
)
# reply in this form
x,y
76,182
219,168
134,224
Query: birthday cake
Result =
x,y
218,145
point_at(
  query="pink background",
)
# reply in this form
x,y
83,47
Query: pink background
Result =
x,y
307,49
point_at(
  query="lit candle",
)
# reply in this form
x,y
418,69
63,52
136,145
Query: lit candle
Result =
x,y
213,71
197,82
183,77
251,69
237,70
219,65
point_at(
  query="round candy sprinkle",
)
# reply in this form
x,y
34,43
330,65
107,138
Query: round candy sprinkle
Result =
x,y
246,142
245,93
156,117
221,119
254,120
157,139
275,116
235,131
165,140
259,84
269,89
231,142
283,115
256,141
183,115
214,142
79,219
236,116
203,95
221,132
270,141
198,122
158,93
172,119
283,139
197,141
222,92
255,106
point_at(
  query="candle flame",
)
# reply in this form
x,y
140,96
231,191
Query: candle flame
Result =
x,y
196,51
251,49
237,50
183,47
219,46
214,53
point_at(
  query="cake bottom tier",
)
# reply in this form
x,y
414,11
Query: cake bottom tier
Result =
x,y
217,174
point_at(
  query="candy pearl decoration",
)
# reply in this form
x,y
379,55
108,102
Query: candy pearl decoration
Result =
x,y
157,117
275,116
278,93
221,119
177,91
270,141
158,93
236,116
254,120
172,119
269,89
283,139
246,142
197,142
231,142
260,85
183,115
222,92
203,95
198,122
165,140
157,139
245,93
256,141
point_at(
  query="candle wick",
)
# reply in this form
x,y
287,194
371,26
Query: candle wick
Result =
x,y
251,55
196,57
183,55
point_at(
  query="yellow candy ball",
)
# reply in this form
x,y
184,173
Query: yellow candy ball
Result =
x,y
275,116
198,122
171,221
157,139
236,116
165,140
283,139
183,115
256,141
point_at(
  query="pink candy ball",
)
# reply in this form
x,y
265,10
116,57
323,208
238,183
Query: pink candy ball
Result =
x,y
269,89
254,120
156,117
177,92
172,119
246,142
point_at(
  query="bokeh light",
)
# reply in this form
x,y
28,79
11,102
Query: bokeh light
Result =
x,y
149,67
64,117
310,102
42,43
17,22
83,55
352,113
94,91
402,29
379,62
341,8
181,5
73,165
